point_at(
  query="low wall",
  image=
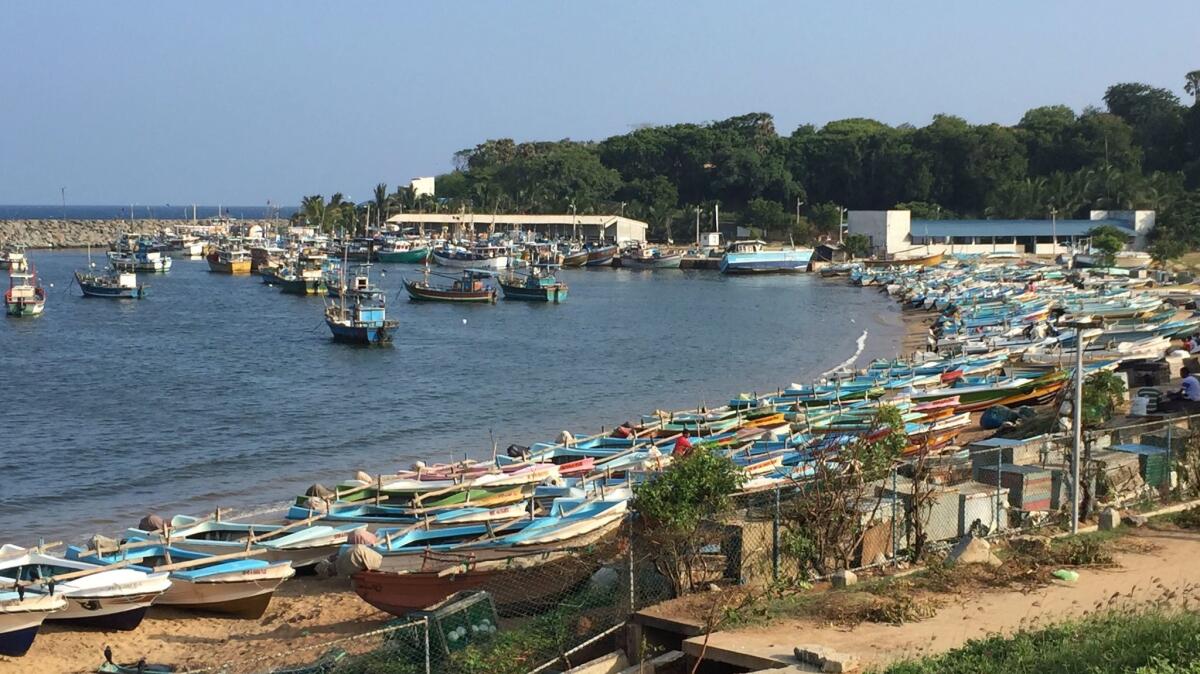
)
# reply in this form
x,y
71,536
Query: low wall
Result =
x,y
80,233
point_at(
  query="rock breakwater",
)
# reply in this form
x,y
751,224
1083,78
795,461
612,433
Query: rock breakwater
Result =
x,y
79,233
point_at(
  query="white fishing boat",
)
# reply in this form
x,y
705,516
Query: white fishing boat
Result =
x,y
111,599
479,257
303,544
21,615
234,584
13,259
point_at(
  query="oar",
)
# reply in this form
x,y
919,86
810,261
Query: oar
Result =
x,y
76,574
177,566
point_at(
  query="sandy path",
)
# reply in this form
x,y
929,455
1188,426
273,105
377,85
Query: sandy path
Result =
x,y
305,611
1140,578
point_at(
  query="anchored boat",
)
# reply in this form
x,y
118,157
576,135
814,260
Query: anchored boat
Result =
x,y
470,286
229,261
25,295
600,255
538,285
114,285
650,258
13,259
750,257
359,316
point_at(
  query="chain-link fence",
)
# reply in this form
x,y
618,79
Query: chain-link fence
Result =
x,y
551,610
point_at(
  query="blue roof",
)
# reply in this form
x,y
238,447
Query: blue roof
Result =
x,y
1011,228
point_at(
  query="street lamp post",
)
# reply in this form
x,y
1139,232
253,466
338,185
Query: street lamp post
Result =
x,y
1081,325
1054,229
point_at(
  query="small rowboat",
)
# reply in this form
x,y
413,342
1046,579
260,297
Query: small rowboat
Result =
x,y
21,615
470,287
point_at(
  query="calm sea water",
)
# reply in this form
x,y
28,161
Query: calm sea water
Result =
x,y
220,391
121,212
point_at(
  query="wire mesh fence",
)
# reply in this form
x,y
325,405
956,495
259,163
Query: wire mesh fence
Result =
x,y
556,608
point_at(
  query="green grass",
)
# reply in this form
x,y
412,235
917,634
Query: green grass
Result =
x,y
1140,643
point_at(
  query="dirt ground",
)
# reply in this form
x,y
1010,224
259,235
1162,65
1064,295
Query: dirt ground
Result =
x,y
1167,575
305,611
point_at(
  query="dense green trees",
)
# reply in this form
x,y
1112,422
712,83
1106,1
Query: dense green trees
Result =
x,y
1142,150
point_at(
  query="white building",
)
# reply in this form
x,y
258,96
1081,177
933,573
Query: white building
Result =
x,y
611,228
896,234
423,186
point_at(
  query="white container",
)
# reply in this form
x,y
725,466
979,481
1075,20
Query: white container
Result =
x,y
1138,407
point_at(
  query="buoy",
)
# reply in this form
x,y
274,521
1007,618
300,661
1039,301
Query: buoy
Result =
x,y
464,321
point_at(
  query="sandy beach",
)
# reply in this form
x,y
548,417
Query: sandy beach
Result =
x,y
306,612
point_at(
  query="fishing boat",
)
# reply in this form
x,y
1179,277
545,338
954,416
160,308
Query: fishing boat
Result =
x,y
13,258
404,251
650,258
97,596
25,295
229,261
478,257
471,286
141,260
575,257
538,285
113,285
930,260
359,315
302,543
750,257
234,584
21,615
600,255
304,276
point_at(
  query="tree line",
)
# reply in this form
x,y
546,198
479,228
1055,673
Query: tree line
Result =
x,y
1141,150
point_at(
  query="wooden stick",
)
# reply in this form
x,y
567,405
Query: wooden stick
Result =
x,y
58,578
192,563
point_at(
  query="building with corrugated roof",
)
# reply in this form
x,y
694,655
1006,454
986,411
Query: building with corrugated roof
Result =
x,y
611,228
895,233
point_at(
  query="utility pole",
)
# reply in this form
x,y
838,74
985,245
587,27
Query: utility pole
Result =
x,y
64,202
1053,229
697,228
1080,325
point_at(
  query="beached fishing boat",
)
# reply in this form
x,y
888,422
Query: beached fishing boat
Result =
x,y
929,260
600,255
114,285
575,257
302,543
403,251
25,295
650,258
469,287
750,257
229,261
360,316
21,616
235,584
97,596
538,285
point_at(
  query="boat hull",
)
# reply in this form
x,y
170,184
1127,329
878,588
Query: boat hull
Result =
x,y
575,259
498,262
242,598
233,267
665,262
104,613
363,335
415,256
601,257
301,286
554,294
421,293
112,293
766,262
15,641
23,308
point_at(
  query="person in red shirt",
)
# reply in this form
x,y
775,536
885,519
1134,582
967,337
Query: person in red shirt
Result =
x,y
682,445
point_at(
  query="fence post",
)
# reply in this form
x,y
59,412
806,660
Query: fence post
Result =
x,y
427,663
1170,467
895,497
632,592
775,540
999,484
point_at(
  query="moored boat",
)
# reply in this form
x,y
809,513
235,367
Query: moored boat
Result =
x,y
650,258
25,295
13,258
479,257
470,286
600,255
575,258
538,285
229,261
406,252
359,315
114,285
750,257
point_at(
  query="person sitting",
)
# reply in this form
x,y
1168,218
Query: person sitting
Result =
x,y
1187,398
683,445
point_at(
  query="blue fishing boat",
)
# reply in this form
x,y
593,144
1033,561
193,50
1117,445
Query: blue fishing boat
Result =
x,y
360,316
539,285
749,257
114,285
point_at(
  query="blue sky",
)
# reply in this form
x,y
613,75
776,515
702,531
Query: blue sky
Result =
x,y
241,102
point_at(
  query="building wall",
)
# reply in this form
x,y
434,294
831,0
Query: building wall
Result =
x,y
423,186
1141,221
889,231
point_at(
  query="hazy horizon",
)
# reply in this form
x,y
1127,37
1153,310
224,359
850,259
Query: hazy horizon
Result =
x,y
153,103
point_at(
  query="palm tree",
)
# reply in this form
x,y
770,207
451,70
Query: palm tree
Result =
x,y
313,208
381,203
1192,85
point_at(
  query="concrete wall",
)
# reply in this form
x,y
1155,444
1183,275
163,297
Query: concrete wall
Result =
x,y
1141,222
889,231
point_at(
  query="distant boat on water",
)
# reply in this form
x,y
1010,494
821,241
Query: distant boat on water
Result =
x,y
469,287
359,315
229,261
113,285
25,295
600,255
750,257
538,285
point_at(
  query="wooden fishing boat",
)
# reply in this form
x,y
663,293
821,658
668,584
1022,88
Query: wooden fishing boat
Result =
x,y
115,285
25,295
360,318
97,596
479,257
232,584
469,287
650,258
539,285
229,261
21,615
751,257
406,252
575,258
303,543
600,255
142,260
305,276
13,258
930,260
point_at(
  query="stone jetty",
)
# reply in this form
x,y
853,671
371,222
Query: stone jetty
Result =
x,y
80,233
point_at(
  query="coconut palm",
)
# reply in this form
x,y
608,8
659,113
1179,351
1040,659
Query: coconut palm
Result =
x,y
381,203
1192,85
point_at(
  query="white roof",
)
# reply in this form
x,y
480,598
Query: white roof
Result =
x,y
513,219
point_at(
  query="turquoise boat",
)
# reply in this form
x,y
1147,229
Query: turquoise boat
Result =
x,y
539,285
